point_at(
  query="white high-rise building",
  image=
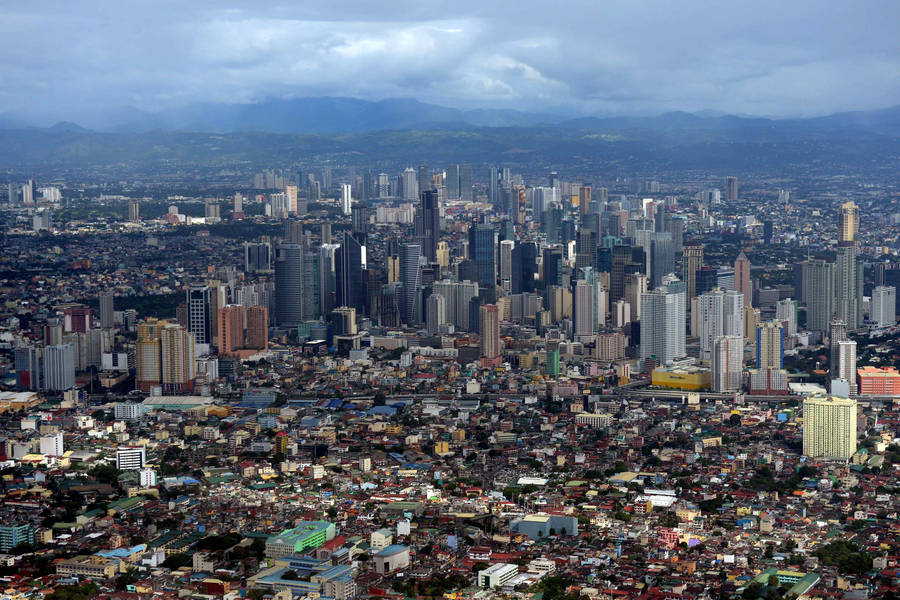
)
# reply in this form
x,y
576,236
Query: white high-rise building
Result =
x,y
846,363
346,198
711,319
663,320
147,478
883,312
727,363
506,249
786,312
410,185
585,309
829,427
59,367
733,313
435,313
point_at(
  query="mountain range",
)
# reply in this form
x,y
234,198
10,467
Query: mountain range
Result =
x,y
336,115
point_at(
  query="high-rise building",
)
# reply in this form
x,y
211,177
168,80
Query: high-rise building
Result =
x,y
435,313
257,337
786,313
346,198
52,445
199,307
132,458
731,189
231,328
769,345
257,257
727,363
147,359
848,286
692,261
59,367
524,267
134,211
817,277
288,284
107,310
428,224
837,332
662,257
663,314
829,427
482,250
711,319
846,364
177,364
465,182
451,181
411,280
349,274
410,178
584,198
457,297
585,309
733,313
742,278
423,178
883,311
848,222
489,330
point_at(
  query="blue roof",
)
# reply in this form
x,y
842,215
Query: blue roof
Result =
x,y
391,550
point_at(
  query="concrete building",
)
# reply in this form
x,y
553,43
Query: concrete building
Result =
x,y
310,534
497,575
391,558
131,458
727,363
829,427
883,312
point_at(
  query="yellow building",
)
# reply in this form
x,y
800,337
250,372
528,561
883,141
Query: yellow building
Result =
x,y
829,427
681,378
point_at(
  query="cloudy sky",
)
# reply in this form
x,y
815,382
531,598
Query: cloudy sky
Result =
x,y
765,57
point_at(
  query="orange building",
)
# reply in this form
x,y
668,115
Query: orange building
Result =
x,y
257,328
231,328
874,381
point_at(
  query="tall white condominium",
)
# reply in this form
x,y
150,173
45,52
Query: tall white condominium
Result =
x,y
410,185
883,306
435,313
846,364
727,363
59,367
786,312
346,198
585,308
711,319
663,316
769,345
829,427
506,248
131,458
733,313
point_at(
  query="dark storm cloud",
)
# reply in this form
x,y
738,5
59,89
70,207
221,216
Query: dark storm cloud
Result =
x,y
763,57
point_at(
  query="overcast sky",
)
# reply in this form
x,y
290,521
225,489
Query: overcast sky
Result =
x,y
782,57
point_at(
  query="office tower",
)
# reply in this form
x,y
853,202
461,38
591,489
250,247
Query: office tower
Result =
x,y
28,194
359,223
231,328
451,181
346,198
848,222
769,345
257,257
327,271
727,363
288,284
846,364
410,278
829,427
883,311
493,187
742,278
624,261
731,189
489,330
131,459
523,264
457,296
786,313
59,367
711,319
584,199
768,232
107,309
837,332
423,179
428,224
465,182
552,265
733,314
134,211
52,445
817,278
506,263
636,285
848,286
28,364
410,188
662,257
482,250
177,364
348,274
383,186
12,194
585,310
257,335
663,314
435,313
692,261
199,307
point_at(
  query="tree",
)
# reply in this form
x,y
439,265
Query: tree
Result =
x,y
177,560
290,576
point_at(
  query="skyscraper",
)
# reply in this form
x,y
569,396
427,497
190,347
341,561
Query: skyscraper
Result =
x,y
451,181
733,314
883,312
465,182
731,189
663,322
524,266
257,337
424,178
584,199
742,278
489,330
662,257
346,198
428,224
231,328
257,257
107,309
288,284
200,316
769,346
692,261
727,363
59,367
786,312
837,332
435,313
411,279
177,364
846,364
348,274
552,265
829,427
585,310
817,278
848,286
711,319
482,250
848,222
